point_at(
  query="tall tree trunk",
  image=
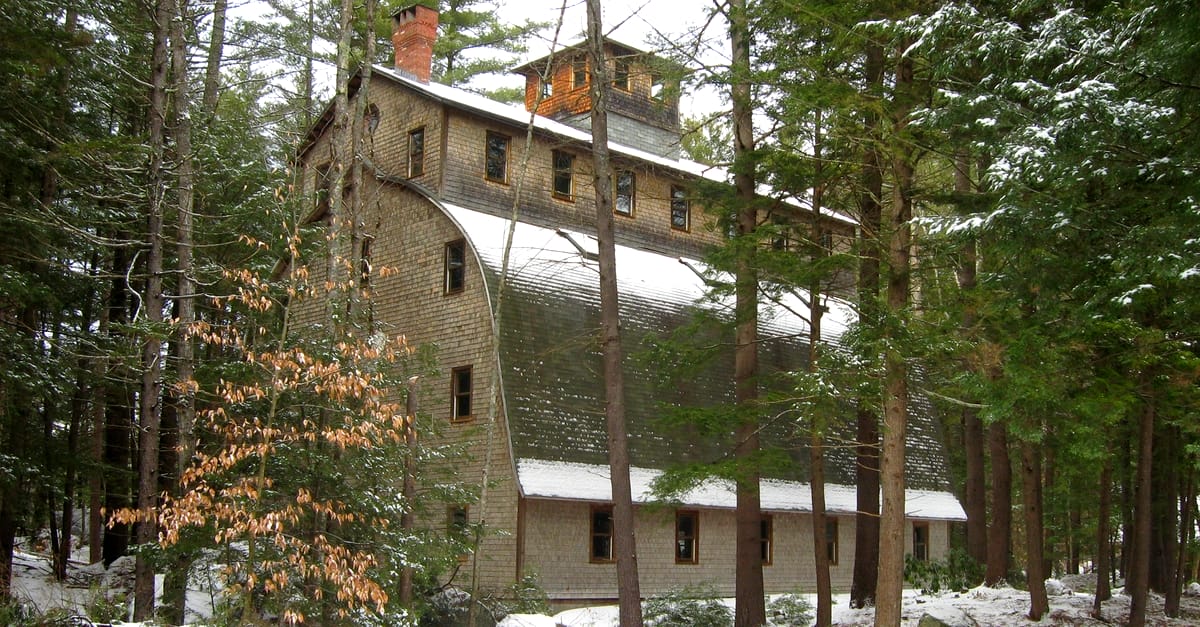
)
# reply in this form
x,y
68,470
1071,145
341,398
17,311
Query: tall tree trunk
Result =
x,y
152,304
750,604
975,490
1137,580
1031,489
895,395
100,393
118,422
1000,533
866,519
818,423
624,542
1103,539
1165,494
183,407
1187,497
216,47
408,518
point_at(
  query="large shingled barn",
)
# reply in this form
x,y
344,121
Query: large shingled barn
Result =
x,y
438,210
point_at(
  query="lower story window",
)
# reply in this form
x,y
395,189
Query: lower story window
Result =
x,y
687,537
921,541
766,530
831,540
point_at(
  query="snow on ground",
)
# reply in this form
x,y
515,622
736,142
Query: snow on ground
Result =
x,y
980,607
1070,601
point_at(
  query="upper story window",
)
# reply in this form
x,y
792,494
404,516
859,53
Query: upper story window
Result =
x,y
496,157
621,74
687,537
681,210
364,262
460,391
624,185
547,87
602,535
564,175
455,267
579,73
658,87
416,152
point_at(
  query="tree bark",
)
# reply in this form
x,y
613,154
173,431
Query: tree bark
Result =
x,y
624,541
1031,488
818,423
895,394
408,518
749,602
1000,533
118,423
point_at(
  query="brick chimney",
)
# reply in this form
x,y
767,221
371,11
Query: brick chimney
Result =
x,y
413,32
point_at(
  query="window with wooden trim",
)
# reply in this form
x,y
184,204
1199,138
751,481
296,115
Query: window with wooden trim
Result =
x,y
495,166
766,538
321,193
624,189
455,267
658,87
687,537
564,175
546,85
460,393
831,540
416,152
920,541
578,73
601,548
364,261
621,74
681,209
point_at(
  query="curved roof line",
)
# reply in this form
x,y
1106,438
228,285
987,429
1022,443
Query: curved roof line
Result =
x,y
428,195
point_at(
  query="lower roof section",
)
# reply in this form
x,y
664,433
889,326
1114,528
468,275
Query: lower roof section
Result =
x,y
573,481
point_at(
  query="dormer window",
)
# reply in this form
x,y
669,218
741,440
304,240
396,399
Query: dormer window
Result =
x,y
579,73
547,87
496,157
564,175
621,74
658,87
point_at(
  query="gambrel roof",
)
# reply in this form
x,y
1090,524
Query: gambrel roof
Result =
x,y
553,384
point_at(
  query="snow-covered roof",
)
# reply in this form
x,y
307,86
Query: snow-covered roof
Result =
x,y
546,479
550,359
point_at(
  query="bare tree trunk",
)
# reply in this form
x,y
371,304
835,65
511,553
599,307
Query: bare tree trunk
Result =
x,y
750,604
1049,480
1000,533
152,305
1031,479
1137,580
1103,538
895,395
624,542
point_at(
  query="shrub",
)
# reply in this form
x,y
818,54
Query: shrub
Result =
x,y
688,607
789,610
957,572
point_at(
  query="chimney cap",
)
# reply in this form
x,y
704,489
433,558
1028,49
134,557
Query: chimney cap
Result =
x,y
411,11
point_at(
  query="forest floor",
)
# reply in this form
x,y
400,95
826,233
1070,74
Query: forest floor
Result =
x,y
92,591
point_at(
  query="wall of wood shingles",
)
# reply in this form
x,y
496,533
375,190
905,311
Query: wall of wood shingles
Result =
x,y
557,550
